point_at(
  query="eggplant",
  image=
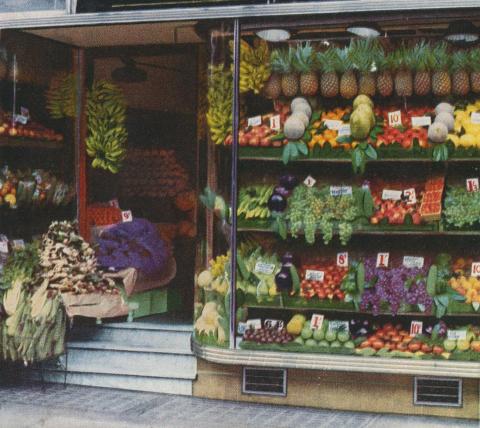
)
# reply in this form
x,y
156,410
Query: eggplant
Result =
x,y
288,181
283,279
287,258
277,203
280,190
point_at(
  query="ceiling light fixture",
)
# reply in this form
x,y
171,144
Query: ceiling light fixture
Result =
x,y
274,35
364,29
462,33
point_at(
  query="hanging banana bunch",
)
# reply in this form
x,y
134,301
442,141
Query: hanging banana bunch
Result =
x,y
107,135
220,98
61,96
254,65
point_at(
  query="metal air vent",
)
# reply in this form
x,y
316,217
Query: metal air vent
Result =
x,y
262,381
434,391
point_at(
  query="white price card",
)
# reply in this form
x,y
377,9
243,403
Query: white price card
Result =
x,y
334,125
413,262
382,260
314,275
336,325
411,196
342,259
392,195
395,118
255,324
476,305
340,190
275,123
472,184
254,121
475,269
18,118
127,216
418,121
456,334
416,327
18,244
475,117
316,321
4,247
309,181
271,323
264,268
344,131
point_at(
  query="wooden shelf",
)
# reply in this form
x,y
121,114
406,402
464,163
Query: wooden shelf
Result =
x,y
29,143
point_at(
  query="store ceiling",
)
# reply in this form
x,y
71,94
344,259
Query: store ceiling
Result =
x,y
123,35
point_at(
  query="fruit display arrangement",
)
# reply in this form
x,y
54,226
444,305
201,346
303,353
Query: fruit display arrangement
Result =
x,y
31,130
461,208
464,282
323,280
32,188
253,201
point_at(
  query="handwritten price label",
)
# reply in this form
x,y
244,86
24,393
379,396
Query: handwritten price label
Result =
x,y
344,131
275,123
382,260
342,259
419,121
475,269
309,181
413,262
416,327
410,195
314,275
334,125
265,268
18,244
255,324
395,118
340,190
392,195
254,121
4,247
475,117
457,334
316,321
472,185
127,216
271,323
336,325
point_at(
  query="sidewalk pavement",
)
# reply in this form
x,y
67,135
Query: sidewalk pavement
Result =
x,y
56,406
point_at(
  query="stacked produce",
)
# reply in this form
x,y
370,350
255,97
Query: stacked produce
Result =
x,y
62,96
431,205
325,130
466,131
219,95
461,208
31,129
252,201
37,188
162,174
325,285
268,335
463,282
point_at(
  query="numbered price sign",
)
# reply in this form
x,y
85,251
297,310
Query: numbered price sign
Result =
x,y
410,196
275,123
395,118
416,327
316,321
271,323
342,259
382,260
472,184
254,121
127,216
309,181
475,269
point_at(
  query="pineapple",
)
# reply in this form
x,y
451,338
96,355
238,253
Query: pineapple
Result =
x,y
475,70
364,55
441,82
422,64
305,65
384,74
329,82
289,78
403,74
273,86
348,81
460,73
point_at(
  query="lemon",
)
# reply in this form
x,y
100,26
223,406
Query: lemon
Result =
x,y
454,139
467,140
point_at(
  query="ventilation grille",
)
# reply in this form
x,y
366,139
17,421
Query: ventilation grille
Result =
x,y
437,392
264,381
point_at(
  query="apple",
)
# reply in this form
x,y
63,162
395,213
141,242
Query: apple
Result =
x,y
265,142
449,344
437,350
254,141
475,346
463,344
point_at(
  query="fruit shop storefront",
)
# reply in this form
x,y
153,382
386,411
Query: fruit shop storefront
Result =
x,y
332,258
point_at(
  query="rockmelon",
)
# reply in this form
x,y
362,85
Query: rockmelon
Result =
x,y
360,125
293,128
444,107
437,132
362,99
447,119
367,110
305,108
303,117
298,101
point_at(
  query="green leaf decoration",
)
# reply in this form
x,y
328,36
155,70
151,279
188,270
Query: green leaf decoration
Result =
x,y
345,139
302,148
371,152
295,279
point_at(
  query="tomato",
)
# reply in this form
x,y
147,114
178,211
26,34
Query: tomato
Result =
x,y
437,350
388,326
321,294
378,344
341,295
372,338
426,348
365,344
402,347
414,346
396,339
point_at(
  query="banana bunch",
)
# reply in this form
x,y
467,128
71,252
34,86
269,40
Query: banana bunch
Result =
x,y
254,65
107,135
252,201
61,96
219,96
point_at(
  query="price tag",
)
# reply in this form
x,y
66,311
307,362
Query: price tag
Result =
x,y
418,121
334,125
255,324
456,334
114,203
476,305
4,247
475,117
314,275
382,260
475,269
275,123
344,131
393,195
264,268
342,259
416,327
25,112
340,190
271,323
472,184
336,325
254,121
316,321
309,181
18,118
127,216
410,195
18,244
242,328
395,118
413,262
